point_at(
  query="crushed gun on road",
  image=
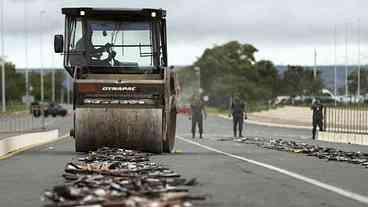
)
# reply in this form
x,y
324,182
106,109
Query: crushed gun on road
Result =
x,y
327,153
112,177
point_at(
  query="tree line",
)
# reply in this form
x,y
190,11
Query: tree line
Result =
x,y
232,69
15,85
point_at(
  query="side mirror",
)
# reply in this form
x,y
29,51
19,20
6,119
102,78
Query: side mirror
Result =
x,y
172,67
58,43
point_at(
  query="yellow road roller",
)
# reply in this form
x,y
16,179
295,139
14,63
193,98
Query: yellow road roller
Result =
x,y
124,92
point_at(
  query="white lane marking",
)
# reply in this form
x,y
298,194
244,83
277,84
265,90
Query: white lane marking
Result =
x,y
340,191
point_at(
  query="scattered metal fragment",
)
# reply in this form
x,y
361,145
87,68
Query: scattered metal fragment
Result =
x,y
225,139
327,153
112,177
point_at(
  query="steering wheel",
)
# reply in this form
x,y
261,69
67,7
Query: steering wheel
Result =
x,y
96,57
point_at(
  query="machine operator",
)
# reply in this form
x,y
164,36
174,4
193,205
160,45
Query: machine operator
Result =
x,y
90,54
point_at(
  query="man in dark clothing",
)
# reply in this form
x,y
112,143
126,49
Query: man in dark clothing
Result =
x,y
91,55
239,113
317,117
197,111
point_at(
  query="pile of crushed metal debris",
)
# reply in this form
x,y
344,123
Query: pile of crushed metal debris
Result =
x,y
327,153
112,177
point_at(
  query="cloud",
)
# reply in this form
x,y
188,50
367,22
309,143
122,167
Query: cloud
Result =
x,y
24,15
274,22
272,26
278,22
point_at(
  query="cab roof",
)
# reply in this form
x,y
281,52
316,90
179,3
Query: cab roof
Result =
x,y
114,12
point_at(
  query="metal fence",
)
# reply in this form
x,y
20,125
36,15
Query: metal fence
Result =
x,y
26,121
346,118
21,124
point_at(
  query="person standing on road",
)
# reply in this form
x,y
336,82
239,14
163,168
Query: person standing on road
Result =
x,y
317,108
198,111
238,112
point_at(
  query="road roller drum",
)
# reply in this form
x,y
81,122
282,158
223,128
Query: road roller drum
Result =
x,y
139,129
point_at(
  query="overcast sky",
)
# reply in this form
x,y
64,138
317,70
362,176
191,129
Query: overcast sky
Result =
x,y
284,31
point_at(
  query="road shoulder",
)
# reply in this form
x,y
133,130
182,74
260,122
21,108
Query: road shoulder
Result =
x,y
16,144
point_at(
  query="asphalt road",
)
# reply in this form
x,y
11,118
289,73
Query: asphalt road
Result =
x,y
232,174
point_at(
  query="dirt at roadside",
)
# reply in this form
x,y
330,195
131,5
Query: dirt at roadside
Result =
x,y
290,115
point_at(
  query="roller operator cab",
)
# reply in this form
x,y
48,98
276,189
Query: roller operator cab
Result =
x,y
124,92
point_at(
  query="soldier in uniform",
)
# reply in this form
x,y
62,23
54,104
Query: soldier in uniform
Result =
x,y
238,112
317,108
198,111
